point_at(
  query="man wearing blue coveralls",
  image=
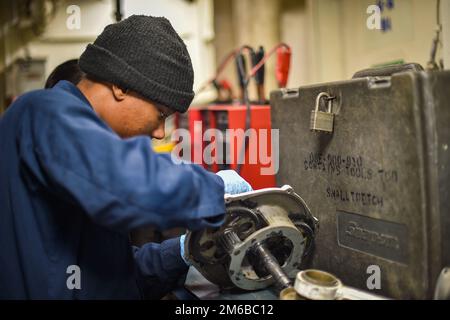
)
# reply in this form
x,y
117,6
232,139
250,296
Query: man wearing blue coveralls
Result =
x,y
77,173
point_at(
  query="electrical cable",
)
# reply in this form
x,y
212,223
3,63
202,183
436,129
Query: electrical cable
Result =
x,y
246,99
432,65
438,12
228,58
252,73
265,58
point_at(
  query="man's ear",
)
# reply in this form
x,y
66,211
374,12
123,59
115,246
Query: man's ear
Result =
x,y
119,93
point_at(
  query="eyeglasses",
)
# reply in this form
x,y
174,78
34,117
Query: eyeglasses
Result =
x,y
163,115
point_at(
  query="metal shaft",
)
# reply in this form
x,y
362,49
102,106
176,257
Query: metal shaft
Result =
x,y
271,264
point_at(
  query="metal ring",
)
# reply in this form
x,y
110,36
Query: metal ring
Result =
x,y
317,285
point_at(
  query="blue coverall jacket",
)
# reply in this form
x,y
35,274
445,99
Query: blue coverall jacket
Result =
x,y
71,190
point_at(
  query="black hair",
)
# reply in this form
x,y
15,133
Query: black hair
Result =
x,y
68,70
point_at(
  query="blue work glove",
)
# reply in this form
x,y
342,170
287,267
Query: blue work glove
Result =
x,y
234,183
182,249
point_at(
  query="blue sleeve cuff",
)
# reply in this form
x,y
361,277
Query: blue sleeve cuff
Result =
x,y
162,260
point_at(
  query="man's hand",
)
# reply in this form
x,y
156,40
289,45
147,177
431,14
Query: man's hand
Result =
x,y
234,183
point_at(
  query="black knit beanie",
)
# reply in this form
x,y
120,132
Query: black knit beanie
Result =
x,y
146,55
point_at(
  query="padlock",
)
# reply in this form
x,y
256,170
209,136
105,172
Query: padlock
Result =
x,y
322,121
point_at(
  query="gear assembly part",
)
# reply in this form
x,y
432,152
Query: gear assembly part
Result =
x,y
263,241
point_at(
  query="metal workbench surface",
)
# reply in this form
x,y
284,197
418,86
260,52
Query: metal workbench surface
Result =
x,y
197,287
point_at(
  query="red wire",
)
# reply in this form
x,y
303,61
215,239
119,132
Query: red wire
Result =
x,y
219,70
222,66
265,58
233,54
